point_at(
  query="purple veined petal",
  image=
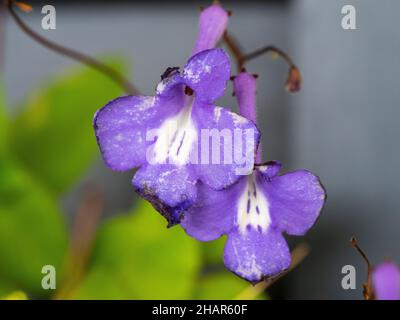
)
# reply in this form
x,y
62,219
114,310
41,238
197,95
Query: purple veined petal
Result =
x,y
170,189
212,215
295,199
120,129
226,145
207,74
212,25
386,281
123,125
254,254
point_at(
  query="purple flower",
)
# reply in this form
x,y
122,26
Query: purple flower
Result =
x,y
212,25
257,209
162,135
386,281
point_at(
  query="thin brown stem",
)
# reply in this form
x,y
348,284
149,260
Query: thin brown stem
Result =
x,y
368,285
82,238
73,54
293,81
274,50
235,49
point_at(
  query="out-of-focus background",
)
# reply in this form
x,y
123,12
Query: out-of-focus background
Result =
x,y
342,125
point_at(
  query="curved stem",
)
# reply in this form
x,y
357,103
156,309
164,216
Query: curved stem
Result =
x,y
267,49
293,81
367,286
242,58
235,49
75,55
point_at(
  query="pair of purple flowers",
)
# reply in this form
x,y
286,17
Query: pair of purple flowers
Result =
x,y
233,193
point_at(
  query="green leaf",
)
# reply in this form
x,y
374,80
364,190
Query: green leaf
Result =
x,y
137,257
32,230
53,136
15,295
222,285
3,119
213,251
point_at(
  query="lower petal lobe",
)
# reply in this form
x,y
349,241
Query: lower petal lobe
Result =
x,y
170,189
213,213
255,255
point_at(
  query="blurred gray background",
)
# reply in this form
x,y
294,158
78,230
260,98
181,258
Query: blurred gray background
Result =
x,y
343,124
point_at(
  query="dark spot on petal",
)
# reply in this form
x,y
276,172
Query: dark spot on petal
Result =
x,y
189,91
248,205
169,72
258,210
259,229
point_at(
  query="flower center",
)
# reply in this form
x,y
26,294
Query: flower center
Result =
x,y
253,208
175,137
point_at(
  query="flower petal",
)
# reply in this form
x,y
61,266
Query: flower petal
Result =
x,y
119,128
170,189
227,145
245,88
212,25
386,281
269,169
213,212
254,255
207,74
295,199
123,125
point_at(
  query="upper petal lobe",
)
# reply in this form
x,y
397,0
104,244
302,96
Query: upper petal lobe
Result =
x,y
226,147
123,125
207,74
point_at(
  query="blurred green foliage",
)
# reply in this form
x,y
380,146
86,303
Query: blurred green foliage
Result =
x,y
138,257
43,152
55,126
32,228
3,119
